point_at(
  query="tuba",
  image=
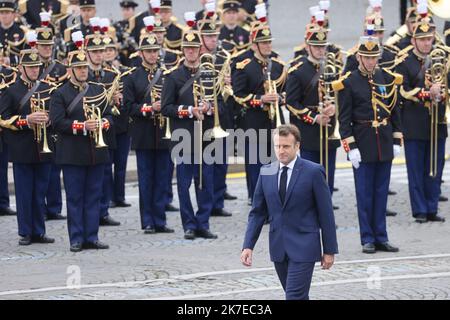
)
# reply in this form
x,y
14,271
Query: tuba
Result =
x,y
40,130
438,74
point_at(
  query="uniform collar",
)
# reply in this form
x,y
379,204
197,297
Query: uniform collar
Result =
x,y
149,68
367,74
191,69
315,62
419,56
261,60
77,86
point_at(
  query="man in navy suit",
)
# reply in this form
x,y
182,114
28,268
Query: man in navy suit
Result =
x,y
294,195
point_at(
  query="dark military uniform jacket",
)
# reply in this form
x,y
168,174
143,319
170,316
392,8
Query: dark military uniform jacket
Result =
x,y
176,104
128,44
74,147
145,130
56,72
447,33
416,102
23,148
248,82
302,98
387,59
13,40
238,36
8,76
368,121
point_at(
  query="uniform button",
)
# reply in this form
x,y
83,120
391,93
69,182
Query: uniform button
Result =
x,y
378,118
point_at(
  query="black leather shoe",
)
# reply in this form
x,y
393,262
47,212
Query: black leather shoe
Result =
x,y
421,218
206,234
368,248
7,212
335,207
443,199
122,204
249,201
149,230
189,234
335,189
25,241
391,192
55,217
76,247
228,196
108,221
95,245
220,213
42,239
171,208
112,204
435,218
390,213
386,246
164,230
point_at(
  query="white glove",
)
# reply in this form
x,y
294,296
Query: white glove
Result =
x,y
355,157
397,150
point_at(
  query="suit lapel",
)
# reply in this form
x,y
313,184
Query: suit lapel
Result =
x,y
293,180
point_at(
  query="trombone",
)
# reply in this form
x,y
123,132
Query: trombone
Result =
x,y
326,94
40,130
198,93
93,112
438,75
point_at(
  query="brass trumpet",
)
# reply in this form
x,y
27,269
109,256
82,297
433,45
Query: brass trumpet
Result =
x,y
271,87
40,130
93,112
438,75
159,118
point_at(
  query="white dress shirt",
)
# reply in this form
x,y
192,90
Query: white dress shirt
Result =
x,y
289,172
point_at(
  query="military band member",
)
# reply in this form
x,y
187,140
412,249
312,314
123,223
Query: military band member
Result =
x,y
402,40
173,29
79,149
305,92
124,29
419,92
231,31
30,10
121,122
12,35
24,106
82,23
95,48
147,130
370,129
55,72
255,100
186,109
8,76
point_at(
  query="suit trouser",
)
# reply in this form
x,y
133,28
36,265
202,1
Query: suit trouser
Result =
x,y
314,156
120,158
4,193
54,194
424,191
169,196
153,169
83,186
295,277
204,196
31,183
107,186
372,187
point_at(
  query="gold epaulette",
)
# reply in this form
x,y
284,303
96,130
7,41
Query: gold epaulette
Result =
x,y
112,70
391,48
241,65
406,50
352,50
398,78
177,52
279,61
300,47
338,85
64,6
23,6
295,67
238,53
168,71
134,55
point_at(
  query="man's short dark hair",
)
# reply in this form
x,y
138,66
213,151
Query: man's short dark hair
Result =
x,y
286,129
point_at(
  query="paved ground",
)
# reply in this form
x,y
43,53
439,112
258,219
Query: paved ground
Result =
x,y
142,266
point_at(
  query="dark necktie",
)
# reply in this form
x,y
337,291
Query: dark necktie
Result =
x,y
283,184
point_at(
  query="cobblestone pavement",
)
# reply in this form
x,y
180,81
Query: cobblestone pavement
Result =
x,y
161,266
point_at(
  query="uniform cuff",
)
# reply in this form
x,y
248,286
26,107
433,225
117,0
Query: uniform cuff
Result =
x,y
78,126
146,109
349,144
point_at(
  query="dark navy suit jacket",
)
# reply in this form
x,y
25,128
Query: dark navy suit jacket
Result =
x,y
295,226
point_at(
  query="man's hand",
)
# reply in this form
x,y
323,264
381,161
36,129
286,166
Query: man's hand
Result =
x,y
269,98
322,119
327,261
38,118
330,109
156,106
246,257
197,112
118,97
205,106
436,92
355,157
91,125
